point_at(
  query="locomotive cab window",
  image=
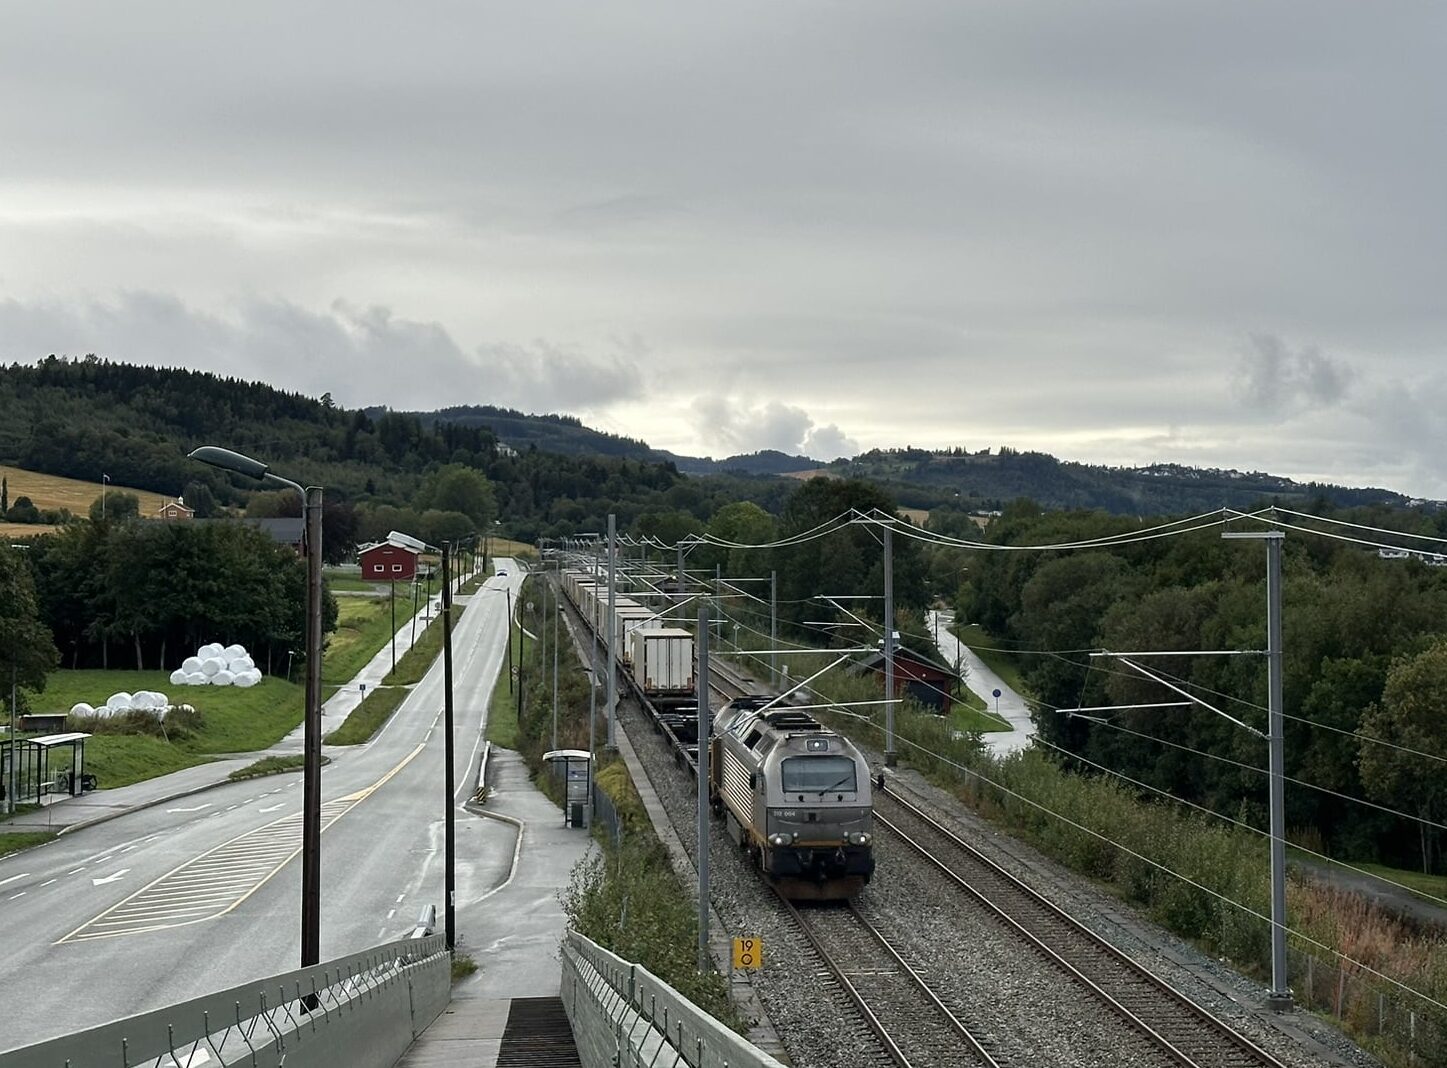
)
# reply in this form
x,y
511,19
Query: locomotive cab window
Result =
x,y
818,775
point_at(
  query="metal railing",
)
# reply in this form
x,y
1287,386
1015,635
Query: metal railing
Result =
x,y
359,1011
624,1016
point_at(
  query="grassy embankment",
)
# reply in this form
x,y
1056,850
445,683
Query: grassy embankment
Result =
x,y
14,842
364,626
232,720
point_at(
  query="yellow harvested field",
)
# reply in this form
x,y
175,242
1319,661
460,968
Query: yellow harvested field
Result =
x,y
24,530
52,491
919,516
504,547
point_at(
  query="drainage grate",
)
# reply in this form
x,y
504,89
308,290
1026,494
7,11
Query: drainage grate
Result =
x,y
537,1036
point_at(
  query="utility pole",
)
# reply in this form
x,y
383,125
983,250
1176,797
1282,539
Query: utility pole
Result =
x,y
1280,996
508,592
611,651
701,684
392,586
311,850
890,756
592,720
556,614
14,772
717,585
774,629
450,852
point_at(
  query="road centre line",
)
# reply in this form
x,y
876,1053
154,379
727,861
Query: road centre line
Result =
x,y
197,890
12,878
21,894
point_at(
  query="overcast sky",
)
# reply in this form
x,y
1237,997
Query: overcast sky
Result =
x,y
1126,232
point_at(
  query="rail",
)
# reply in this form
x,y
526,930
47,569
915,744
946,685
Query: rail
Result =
x,y
1183,1030
625,1016
358,1011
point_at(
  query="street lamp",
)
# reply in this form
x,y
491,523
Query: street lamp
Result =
x,y
406,541
311,822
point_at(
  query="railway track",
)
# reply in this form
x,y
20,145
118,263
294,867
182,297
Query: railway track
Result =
x,y
914,1026
1188,1034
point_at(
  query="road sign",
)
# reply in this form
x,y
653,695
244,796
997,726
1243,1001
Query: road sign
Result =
x,y
996,693
748,954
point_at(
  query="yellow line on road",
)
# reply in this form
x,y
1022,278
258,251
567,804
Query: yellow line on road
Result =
x,y
220,879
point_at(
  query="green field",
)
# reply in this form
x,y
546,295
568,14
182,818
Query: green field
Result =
x,y
13,842
367,718
966,718
233,720
364,626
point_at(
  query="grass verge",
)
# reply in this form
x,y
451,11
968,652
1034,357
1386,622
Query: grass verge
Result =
x,y
364,626
415,662
15,841
272,765
996,659
502,712
367,718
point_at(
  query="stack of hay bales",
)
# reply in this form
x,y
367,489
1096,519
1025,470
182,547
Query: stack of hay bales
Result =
x,y
118,704
215,665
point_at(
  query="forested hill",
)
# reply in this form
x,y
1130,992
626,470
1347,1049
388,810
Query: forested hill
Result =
x,y
87,417
925,478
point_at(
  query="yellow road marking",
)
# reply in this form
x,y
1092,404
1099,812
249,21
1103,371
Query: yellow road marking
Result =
x,y
217,881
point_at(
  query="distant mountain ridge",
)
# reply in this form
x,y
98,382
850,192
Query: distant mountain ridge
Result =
x,y
926,478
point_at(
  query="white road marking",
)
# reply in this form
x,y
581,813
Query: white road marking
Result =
x,y
110,878
391,913
21,894
47,882
127,849
400,897
194,808
79,869
22,875
220,879
270,808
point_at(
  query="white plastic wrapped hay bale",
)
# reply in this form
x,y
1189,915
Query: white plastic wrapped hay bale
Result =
x,y
211,665
197,678
119,702
234,652
191,664
80,708
247,679
150,700
178,677
240,664
207,652
222,678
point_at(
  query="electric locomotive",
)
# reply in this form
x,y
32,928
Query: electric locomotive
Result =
x,y
796,795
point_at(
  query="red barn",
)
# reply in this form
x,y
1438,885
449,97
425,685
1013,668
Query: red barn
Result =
x,y
385,562
924,678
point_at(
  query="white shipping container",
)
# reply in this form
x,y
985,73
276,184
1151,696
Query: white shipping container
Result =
x,y
631,619
663,660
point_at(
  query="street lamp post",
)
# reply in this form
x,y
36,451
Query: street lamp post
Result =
x,y
311,824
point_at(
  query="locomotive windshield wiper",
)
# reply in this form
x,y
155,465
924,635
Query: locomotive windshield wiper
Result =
x,y
838,784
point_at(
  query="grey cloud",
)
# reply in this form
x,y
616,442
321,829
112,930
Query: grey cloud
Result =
x,y
734,426
546,377
1276,380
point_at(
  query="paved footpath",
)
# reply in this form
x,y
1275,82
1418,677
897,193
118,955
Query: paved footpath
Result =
x,y
513,932
71,813
981,680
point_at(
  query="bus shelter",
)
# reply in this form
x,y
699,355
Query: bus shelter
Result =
x,y
576,767
46,768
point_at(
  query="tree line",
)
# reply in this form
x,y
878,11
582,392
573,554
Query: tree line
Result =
x,y
1364,664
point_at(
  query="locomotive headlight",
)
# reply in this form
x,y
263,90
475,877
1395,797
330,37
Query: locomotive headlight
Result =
x,y
859,837
780,839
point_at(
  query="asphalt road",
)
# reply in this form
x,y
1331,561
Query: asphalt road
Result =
x,y
171,902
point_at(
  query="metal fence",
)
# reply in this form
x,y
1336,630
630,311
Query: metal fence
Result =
x,y
1403,1029
360,1011
624,1016
606,815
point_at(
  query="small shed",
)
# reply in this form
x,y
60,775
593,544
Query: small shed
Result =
x,y
384,562
49,766
917,676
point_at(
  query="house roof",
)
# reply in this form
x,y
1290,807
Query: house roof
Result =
x,y
875,661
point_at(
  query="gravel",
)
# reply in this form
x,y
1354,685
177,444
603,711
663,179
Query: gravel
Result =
x,y
1025,1009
